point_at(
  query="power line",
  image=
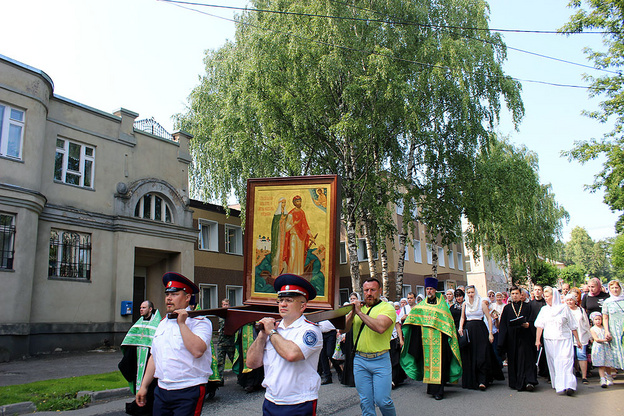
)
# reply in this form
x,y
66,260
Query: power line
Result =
x,y
368,20
184,5
391,22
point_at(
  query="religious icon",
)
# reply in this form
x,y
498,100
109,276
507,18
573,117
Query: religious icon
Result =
x,y
291,227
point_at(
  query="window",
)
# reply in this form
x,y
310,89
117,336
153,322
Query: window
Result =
x,y
362,252
420,290
451,259
70,255
399,208
417,252
153,207
208,235
429,254
441,256
460,262
234,294
343,252
7,241
233,239
406,257
406,289
209,296
73,163
11,131
344,296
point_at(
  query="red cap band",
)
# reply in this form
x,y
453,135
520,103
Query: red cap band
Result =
x,y
179,285
294,288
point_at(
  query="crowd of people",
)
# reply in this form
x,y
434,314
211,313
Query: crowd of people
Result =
x,y
558,334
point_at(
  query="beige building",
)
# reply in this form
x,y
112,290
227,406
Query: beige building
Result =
x,y
92,212
218,255
483,272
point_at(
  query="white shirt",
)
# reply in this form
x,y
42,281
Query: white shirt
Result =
x,y
557,322
293,382
403,311
326,326
583,325
176,368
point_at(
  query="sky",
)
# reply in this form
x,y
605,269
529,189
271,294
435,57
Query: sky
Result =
x,y
147,55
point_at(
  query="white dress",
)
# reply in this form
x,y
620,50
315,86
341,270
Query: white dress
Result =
x,y
557,322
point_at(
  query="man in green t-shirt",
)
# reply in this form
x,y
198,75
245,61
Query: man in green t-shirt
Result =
x,y
372,329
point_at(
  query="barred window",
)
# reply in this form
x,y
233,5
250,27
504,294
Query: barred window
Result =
x,y
7,241
70,255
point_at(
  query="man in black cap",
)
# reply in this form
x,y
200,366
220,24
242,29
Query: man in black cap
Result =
x,y
289,351
181,355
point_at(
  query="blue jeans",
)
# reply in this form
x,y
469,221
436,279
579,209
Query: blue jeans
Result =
x,y
373,381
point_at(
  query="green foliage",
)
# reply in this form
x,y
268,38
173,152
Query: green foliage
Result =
x,y
592,257
386,106
617,255
573,274
542,273
60,394
511,215
607,15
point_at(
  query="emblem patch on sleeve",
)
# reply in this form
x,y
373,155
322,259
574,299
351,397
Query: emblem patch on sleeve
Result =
x,y
310,338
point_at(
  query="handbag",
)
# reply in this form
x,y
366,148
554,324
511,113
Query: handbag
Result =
x,y
464,340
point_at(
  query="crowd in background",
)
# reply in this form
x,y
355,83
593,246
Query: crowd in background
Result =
x,y
576,332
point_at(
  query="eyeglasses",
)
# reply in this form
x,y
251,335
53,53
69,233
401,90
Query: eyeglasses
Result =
x,y
287,300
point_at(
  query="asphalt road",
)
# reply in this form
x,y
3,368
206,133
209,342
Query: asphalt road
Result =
x,y
339,400
410,399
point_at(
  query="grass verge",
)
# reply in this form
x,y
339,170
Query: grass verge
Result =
x,y
60,394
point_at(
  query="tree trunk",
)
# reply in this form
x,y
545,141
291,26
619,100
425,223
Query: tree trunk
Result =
x,y
434,261
401,263
354,265
529,280
509,279
370,247
385,277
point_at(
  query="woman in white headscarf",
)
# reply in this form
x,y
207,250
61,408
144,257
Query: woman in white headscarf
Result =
x,y
583,327
557,324
613,322
479,363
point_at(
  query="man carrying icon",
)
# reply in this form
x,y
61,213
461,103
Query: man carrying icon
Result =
x,y
181,355
289,350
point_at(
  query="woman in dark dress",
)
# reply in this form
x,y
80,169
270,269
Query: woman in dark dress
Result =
x,y
456,307
479,363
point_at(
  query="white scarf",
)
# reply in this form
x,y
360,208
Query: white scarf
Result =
x,y
612,298
475,305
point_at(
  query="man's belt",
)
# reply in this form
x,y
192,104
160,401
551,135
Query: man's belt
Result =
x,y
371,354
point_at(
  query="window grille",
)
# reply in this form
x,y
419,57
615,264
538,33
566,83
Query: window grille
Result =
x,y
70,255
7,241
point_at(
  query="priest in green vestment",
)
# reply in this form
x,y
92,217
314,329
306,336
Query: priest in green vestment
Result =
x,y
431,351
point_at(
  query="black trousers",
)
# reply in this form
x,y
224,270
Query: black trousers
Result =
x,y
329,345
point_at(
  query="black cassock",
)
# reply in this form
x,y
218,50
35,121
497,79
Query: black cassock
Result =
x,y
519,345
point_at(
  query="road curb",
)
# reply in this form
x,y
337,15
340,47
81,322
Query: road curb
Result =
x,y
17,408
106,394
96,396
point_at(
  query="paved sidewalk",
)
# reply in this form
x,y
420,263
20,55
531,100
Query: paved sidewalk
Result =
x,y
68,364
58,365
